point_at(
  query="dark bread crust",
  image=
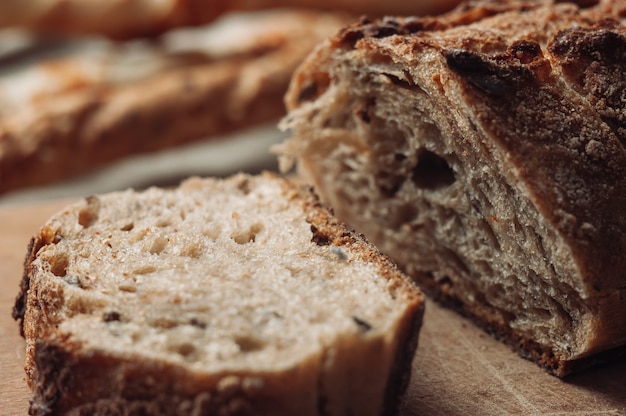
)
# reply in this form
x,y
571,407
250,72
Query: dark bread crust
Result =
x,y
45,236
537,90
591,61
440,291
68,378
71,382
20,302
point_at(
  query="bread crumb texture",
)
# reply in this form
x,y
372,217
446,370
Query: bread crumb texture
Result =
x,y
221,277
215,279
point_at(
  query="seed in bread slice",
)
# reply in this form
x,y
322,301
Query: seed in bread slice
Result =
x,y
235,296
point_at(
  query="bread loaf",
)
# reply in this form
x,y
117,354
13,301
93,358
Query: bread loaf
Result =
x,y
64,116
123,19
484,151
234,296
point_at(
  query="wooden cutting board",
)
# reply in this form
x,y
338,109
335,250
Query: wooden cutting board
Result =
x,y
458,370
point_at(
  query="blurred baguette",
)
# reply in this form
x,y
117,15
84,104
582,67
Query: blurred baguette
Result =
x,y
123,19
66,116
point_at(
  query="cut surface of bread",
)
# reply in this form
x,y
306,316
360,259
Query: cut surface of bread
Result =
x,y
234,296
101,102
484,151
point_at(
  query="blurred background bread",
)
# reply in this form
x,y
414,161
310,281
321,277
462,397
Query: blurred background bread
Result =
x,y
123,19
66,115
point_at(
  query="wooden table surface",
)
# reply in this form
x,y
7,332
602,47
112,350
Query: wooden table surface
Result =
x,y
458,370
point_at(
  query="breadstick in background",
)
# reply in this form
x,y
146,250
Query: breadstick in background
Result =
x,y
123,19
105,101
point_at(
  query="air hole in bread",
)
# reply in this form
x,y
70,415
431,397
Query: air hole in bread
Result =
x,y
158,245
197,323
89,214
58,264
127,227
249,344
164,222
249,235
308,93
432,172
111,316
445,283
128,287
144,269
184,349
213,231
406,82
490,233
162,323
192,250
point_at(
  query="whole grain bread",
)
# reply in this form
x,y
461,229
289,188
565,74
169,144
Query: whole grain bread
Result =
x,y
484,151
222,296
63,116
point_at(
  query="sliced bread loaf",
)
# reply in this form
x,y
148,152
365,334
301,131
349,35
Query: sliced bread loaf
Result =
x,y
234,296
484,150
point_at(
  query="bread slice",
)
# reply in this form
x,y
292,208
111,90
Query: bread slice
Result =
x,y
101,102
234,296
484,151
